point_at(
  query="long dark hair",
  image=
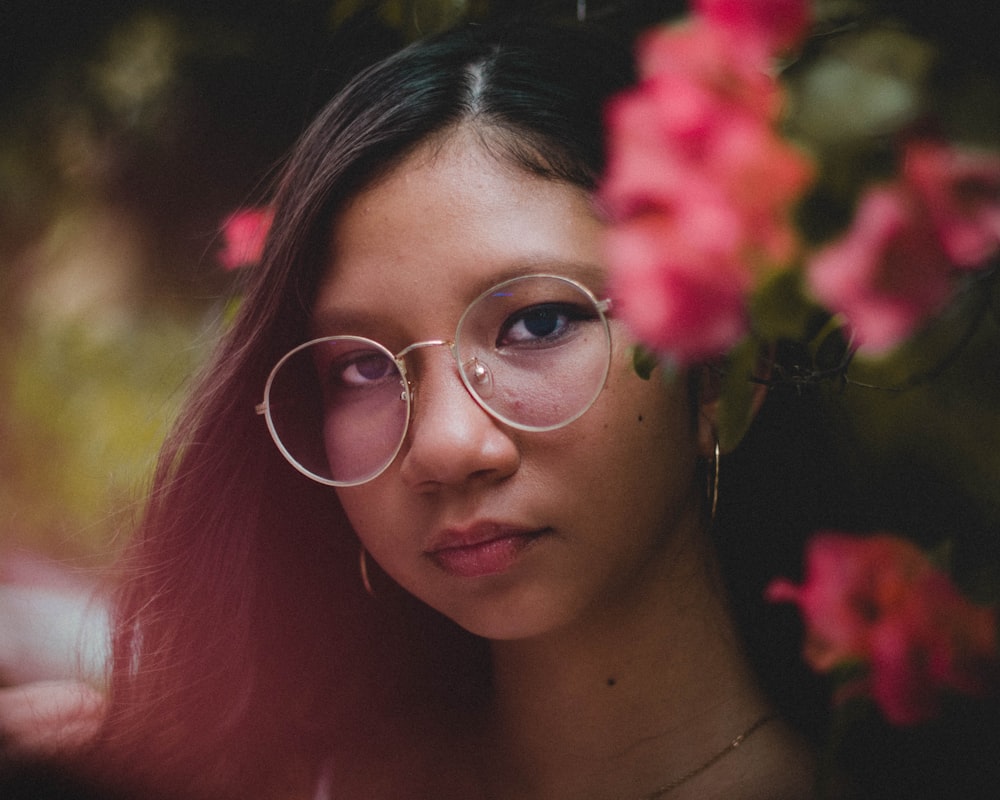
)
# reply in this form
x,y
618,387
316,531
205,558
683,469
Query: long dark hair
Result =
x,y
244,642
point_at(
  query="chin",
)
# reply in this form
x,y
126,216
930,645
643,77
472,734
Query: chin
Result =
x,y
509,618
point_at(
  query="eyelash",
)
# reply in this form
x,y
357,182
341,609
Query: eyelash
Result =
x,y
569,311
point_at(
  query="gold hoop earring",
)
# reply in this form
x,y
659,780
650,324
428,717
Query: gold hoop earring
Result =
x,y
713,480
363,565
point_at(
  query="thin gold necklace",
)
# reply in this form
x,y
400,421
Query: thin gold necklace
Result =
x,y
656,794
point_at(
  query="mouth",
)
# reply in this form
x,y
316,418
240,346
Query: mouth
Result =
x,y
484,549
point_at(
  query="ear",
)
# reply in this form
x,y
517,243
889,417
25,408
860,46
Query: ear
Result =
x,y
710,398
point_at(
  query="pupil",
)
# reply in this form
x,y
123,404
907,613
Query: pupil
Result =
x,y
542,321
372,367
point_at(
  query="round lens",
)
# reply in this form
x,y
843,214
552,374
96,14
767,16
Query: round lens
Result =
x,y
535,351
337,408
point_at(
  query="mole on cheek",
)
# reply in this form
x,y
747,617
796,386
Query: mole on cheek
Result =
x,y
640,418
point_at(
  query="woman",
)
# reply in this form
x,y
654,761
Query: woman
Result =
x,y
548,618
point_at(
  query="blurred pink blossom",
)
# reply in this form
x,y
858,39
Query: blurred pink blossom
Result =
x,y
686,306
244,233
887,274
673,140
961,189
733,68
897,264
880,602
776,24
699,187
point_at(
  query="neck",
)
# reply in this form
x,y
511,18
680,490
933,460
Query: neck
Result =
x,y
624,702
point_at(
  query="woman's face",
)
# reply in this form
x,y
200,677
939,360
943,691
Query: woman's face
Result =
x,y
509,533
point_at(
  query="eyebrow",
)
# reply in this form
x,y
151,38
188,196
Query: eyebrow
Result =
x,y
335,320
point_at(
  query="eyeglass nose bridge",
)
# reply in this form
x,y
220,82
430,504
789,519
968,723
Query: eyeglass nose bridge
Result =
x,y
476,376
402,354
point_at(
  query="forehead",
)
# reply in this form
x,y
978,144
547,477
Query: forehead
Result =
x,y
446,224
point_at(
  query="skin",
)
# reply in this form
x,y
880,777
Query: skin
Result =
x,y
616,665
409,254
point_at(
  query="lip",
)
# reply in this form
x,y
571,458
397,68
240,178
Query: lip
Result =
x,y
485,548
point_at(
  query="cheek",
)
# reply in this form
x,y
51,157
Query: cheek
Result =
x,y
365,512
652,441
653,414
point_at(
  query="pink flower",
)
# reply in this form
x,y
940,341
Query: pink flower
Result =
x,y
897,264
691,306
734,69
850,582
961,190
777,24
244,233
700,188
672,139
880,602
763,177
887,274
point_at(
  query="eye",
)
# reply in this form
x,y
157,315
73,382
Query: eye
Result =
x,y
361,369
541,324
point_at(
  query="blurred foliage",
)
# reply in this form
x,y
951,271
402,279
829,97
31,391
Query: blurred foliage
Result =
x,y
130,130
83,418
919,430
920,438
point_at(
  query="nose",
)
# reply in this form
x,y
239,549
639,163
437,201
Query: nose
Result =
x,y
452,440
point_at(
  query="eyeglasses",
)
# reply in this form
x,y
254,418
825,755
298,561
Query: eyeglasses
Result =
x,y
533,352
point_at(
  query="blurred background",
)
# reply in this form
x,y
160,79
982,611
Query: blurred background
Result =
x,y
129,131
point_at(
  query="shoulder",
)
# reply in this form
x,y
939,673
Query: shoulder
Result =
x,y
49,717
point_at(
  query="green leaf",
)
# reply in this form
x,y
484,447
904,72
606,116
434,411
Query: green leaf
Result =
x,y
942,555
736,400
828,348
780,308
644,361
